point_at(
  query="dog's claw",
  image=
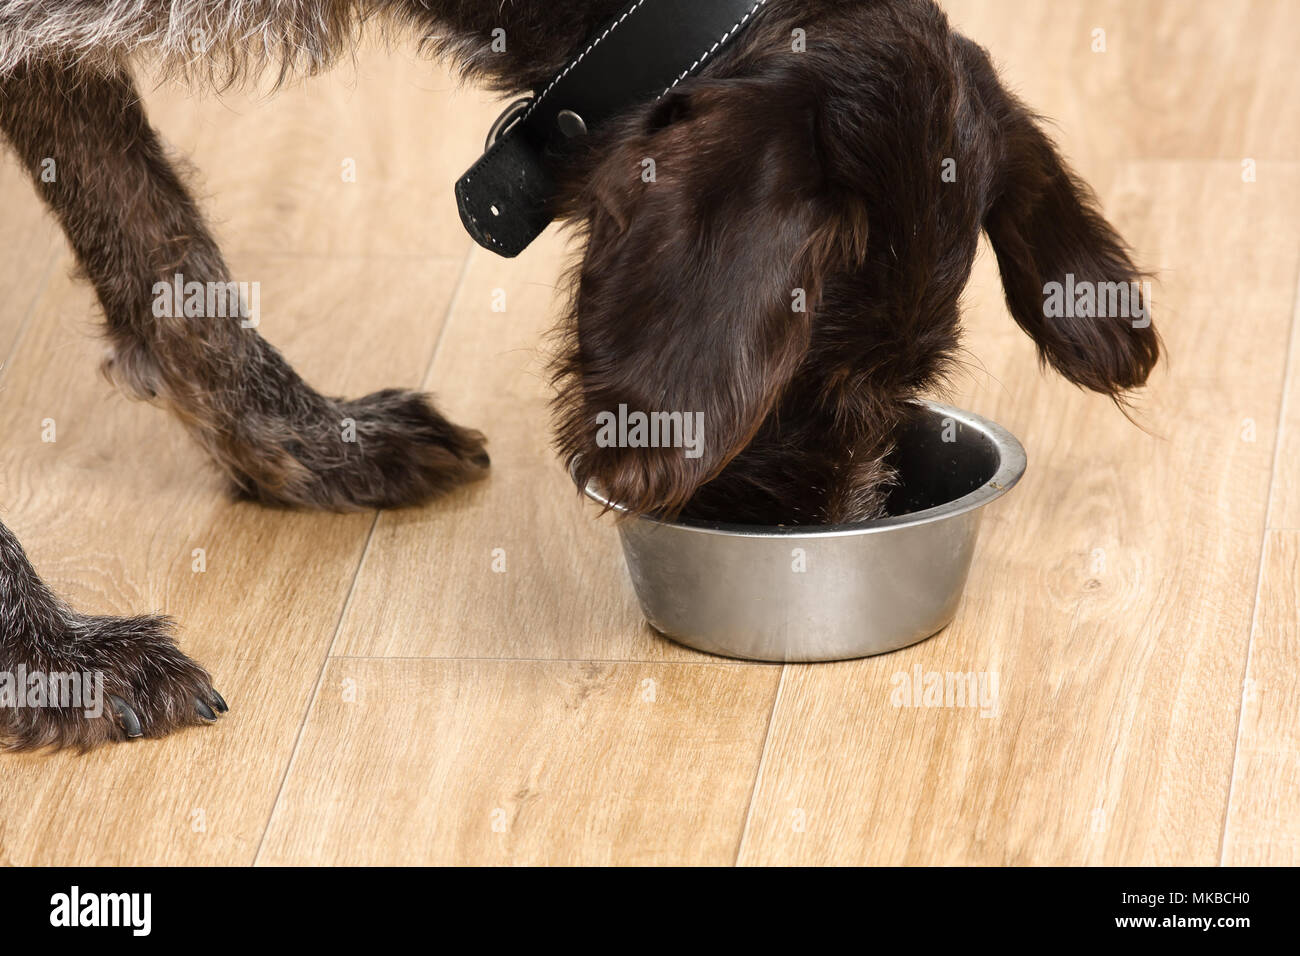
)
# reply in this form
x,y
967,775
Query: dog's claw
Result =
x,y
130,721
220,701
204,710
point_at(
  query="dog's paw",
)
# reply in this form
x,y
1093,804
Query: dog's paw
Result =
x,y
132,679
409,450
386,450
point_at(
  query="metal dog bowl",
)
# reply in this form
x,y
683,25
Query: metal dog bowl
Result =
x,y
822,593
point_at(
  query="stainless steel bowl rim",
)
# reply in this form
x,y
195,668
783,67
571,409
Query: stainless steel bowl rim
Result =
x,y
1011,467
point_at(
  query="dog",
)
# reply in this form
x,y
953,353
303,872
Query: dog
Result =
x,y
792,272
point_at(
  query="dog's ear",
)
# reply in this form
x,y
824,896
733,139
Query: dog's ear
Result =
x,y
709,227
1069,279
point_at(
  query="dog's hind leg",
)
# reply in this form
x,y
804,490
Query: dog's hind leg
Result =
x,y
73,680
69,679
134,228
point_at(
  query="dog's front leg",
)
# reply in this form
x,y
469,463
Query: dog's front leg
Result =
x,y
140,239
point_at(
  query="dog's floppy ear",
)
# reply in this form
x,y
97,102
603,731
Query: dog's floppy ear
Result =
x,y
709,227
1069,279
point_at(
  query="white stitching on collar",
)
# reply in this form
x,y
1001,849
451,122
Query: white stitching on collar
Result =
x,y
711,50
610,29
614,26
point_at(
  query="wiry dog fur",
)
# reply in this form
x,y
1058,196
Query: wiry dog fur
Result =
x,y
779,174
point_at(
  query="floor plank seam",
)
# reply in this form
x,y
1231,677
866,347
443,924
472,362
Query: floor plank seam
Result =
x,y
315,693
452,304
762,762
1278,435
356,577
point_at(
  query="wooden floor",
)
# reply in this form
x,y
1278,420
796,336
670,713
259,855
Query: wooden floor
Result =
x,y
396,700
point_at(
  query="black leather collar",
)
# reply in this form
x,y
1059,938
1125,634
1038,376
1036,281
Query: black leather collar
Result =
x,y
505,198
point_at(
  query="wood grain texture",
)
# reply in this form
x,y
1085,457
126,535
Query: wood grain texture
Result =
x,y
511,762
1178,79
271,167
1140,619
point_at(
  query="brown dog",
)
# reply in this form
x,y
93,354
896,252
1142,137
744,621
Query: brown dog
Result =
x,y
792,272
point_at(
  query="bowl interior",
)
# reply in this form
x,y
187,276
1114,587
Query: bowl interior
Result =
x,y
939,461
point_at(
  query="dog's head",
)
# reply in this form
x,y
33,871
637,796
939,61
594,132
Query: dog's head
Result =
x,y
779,245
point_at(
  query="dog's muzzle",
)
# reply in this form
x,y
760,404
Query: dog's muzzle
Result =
x,y
506,199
